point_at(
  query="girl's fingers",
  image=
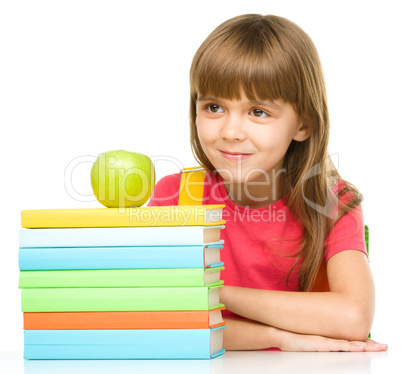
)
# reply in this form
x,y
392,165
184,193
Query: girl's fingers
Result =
x,y
294,342
372,346
335,345
353,346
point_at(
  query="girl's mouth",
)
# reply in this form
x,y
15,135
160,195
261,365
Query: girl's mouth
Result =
x,y
235,156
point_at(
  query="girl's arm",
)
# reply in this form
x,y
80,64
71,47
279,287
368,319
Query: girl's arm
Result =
x,y
346,312
251,335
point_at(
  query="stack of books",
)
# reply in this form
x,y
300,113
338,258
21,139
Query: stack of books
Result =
x,y
138,283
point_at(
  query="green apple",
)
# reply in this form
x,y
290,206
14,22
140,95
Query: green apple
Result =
x,y
122,179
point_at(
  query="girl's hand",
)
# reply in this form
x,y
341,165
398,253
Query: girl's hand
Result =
x,y
293,342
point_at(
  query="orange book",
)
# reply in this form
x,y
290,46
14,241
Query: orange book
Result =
x,y
204,319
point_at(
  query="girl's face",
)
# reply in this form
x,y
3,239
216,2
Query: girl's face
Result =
x,y
247,141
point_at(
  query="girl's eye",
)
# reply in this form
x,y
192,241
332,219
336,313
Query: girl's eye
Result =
x,y
213,108
258,113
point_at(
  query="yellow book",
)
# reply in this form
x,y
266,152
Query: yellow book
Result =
x,y
184,215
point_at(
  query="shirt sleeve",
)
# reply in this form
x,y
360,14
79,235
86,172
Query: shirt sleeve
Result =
x,y
347,233
166,191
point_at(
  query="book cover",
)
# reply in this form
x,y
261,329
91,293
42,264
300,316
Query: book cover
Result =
x,y
123,344
70,258
120,236
120,278
119,299
194,319
190,215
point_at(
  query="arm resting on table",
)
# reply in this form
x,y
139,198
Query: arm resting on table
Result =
x,y
346,312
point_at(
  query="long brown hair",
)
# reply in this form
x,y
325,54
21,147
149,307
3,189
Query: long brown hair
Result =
x,y
270,58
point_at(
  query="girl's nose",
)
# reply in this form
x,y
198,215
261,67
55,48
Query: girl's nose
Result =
x,y
233,129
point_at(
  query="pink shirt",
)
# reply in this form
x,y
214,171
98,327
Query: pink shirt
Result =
x,y
258,242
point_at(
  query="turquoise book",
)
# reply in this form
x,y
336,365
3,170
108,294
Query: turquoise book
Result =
x,y
123,344
139,257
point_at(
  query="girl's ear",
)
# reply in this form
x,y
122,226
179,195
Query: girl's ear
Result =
x,y
302,133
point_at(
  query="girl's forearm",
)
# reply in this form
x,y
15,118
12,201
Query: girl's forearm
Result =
x,y
330,314
244,335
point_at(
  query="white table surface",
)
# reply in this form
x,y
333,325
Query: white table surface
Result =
x,y
232,362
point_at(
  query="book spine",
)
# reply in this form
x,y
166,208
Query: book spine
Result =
x,y
132,344
113,237
194,215
115,299
119,278
121,320
143,257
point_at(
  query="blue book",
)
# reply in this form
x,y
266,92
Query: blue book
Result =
x,y
120,236
123,344
77,258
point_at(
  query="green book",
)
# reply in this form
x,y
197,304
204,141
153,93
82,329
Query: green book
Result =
x,y
120,278
119,299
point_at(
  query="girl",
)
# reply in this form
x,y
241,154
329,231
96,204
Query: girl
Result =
x,y
259,126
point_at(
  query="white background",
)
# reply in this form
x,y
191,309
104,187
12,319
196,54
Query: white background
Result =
x,y
78,78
